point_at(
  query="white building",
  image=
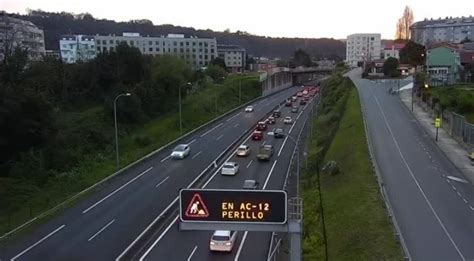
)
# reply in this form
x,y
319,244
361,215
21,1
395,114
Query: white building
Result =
x,y
362,48
24,34
234,57
76,48
196,52
392,50
453,30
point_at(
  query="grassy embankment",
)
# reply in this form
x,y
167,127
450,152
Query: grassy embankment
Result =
x,y
198,108
357,225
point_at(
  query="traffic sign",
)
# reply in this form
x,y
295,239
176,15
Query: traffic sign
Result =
x,y
438,122
233,206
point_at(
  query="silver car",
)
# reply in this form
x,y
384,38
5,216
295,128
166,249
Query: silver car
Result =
x,y
181,151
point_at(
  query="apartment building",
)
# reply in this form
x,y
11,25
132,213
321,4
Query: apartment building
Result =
x,y
234,57
362,48
197,52
449,29
20,33
76,48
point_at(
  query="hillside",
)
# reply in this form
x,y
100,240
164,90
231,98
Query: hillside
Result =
x,y
57,24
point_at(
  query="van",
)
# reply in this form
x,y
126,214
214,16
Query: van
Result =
x,y
222,240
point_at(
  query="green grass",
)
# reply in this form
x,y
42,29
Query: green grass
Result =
x,y
198,108
357,225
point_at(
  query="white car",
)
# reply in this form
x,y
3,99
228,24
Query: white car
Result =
x,y
222,240
249,109
230,168
287,120
181,151
243,151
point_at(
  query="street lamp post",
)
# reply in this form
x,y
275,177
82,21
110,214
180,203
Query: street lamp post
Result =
x,y
240,91
180,115
116,131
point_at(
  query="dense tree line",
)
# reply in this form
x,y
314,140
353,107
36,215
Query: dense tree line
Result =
x,y
57,24
53,114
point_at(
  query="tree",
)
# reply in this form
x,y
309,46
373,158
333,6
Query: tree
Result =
x,y
466,40
413,54
404,23
219,62
390,67
301,58
215,72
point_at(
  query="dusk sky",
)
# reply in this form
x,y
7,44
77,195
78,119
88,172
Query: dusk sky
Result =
x,y
300,18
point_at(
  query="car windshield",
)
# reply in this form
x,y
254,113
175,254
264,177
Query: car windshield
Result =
x,y
220,238
180,148
228,166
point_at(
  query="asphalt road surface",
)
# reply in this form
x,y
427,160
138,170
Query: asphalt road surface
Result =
x,y
175,244
432,203
103,225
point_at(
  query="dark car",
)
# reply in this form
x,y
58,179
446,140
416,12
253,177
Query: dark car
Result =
x,y
257,135
278,133
294,109
277,113
250,184
302,102
288,103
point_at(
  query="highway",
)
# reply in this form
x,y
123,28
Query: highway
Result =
x,y
103,224
433,205
194,245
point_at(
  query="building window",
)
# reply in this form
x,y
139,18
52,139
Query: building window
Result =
x,y
200,56
175,43
111,41
150,49
157,43
181,50
187,43
205,57
116,41
194,50
157,49
98,48
181,44
200,44
104,49
212,56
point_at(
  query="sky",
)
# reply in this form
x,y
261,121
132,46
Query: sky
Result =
x,y
276,18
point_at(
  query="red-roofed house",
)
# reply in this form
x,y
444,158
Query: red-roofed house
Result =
x,y
392,50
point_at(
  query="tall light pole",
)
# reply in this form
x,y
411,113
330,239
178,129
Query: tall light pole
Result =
x,y
215,95
116,131
179,98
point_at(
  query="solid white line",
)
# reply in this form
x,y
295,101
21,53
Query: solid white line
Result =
x,y
209,131
269,175
220,137
416,181
117,190
282,145
457,179
292,127
191,142
161,182
37,243
195,155
299,114
248,165
234,116
102,229
159,238
237,255
192,253
165,158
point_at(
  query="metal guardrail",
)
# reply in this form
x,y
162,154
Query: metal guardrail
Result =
x,y
129,166
383,192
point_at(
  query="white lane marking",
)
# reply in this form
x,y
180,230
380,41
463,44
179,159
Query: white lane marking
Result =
x,y
192,253
416,181
264,142
241,246
299,114
117,190
471,207
269,174
236,125
165,158
191,142
457,179
161,182
233,117
465,200
248,165
282,145
292,127
102,229
459,194
159,238
37,243
209,131
220,137
195,155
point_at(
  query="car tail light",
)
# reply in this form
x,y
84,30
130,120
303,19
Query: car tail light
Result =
x,y
228,244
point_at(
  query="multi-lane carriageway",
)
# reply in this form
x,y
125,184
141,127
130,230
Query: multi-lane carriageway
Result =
x,y
104,225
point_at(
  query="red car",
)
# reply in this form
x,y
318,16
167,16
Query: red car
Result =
x,y
257,135
261,126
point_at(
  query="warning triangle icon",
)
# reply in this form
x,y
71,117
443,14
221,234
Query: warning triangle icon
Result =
x,y
196,208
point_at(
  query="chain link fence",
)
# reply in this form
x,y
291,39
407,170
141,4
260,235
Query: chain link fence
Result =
x,y
459,128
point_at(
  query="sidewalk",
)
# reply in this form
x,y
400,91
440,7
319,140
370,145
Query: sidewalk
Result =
x,y
456,153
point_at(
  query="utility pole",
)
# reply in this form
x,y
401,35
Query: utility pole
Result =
x,y
322,214
240,91
117,160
